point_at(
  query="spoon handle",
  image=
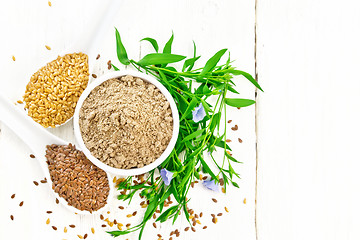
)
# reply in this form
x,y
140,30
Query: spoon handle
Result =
x,y
35,136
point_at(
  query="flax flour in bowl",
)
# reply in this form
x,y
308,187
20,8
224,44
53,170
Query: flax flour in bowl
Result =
x,y
127,123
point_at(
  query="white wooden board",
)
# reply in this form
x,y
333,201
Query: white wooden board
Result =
x,y
27,26
308,120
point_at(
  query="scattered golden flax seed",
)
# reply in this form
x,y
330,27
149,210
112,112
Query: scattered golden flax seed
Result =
x,y
48,221
79,236
223,190
19,102
108,212
244,201
65,230
226,209
129,215
144,205
47,47
114,180
49,3
93,230
201,177
198,222
119,226
13,58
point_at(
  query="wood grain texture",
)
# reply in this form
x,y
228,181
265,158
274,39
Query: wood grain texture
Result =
x,y
29,26
308,120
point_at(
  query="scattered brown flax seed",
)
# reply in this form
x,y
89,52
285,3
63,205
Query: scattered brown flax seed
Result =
x,y
229,121
219,214
201,214
43,181
101,217
121,207
32,155
48,221
21,203
134,213
234,128
187,229
205,227
72,226
12,217
204,178
115,222
85,236
244,201
154,216
49,3
221,181
94,75
154,224
36,183
192,184
98,56
103,225
193,229
214,200
159,235
12,196
240,140
48,212
170,238
128,225
47,47
93,230
53,227
228,140
57,201
158,211
215,220
13,58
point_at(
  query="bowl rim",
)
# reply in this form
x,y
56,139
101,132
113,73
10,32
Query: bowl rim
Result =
x,y
133,171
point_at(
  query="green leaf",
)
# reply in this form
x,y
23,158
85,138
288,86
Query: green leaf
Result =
x,y
153,43
189,63
206,106
247,76
239,102
215,121
211,63
231,157
160,58
167,48
164,216
190,107
120,49
193,135
235,184
207,169
115,68
118,233
231,89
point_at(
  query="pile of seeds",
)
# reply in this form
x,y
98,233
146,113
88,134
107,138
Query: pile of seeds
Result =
x,y
126,122
53,91
82,184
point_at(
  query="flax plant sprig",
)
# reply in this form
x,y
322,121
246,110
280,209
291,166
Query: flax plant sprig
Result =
x,y
199,129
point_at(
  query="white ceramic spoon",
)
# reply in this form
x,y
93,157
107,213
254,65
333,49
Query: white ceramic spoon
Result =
x,y
36,137
92,36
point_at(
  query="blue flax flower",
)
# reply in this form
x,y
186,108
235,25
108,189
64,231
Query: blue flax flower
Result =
x,y
198,113
210,184
167,176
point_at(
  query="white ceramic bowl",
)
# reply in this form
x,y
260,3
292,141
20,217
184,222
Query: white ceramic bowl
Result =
x,y
133,171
